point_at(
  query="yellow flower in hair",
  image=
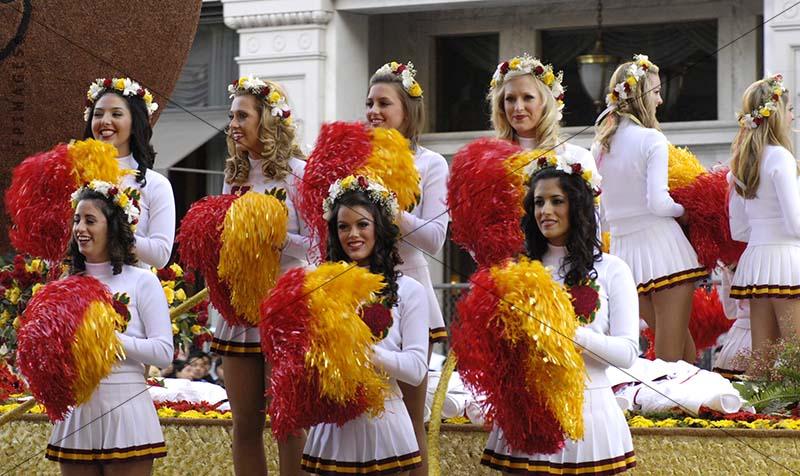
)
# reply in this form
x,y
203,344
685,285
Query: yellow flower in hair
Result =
x,y
274,96
514,63
148,98
196,329
119,84
36,288
180,295
415,90
122,200
548,78
765,112
176,268
13,294
393,65
170,295
241,82
348,181
175,329
631,80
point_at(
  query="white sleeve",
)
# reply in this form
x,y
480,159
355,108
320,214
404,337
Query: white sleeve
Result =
x,y
298,244
428,231
151,304
659,202
156,248
737,218
782,170
621,346
410,363
729,305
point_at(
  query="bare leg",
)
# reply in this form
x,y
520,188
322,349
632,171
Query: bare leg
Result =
x,y
244,382
647,312
131,468
76,469
414,400
764,330
672,308
787,313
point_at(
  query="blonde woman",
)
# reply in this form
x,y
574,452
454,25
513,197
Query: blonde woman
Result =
x,y
765,213
394,100
631,153
263,156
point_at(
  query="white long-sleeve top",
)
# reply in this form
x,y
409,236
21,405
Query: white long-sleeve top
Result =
x,y
148,338
612,339
424,228
403,353
635,179
738,309
773,216
155,232
298,242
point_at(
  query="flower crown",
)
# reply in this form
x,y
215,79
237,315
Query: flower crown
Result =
x,y
124,86
758,115
527,64
279,107
566,164
376,192
636,71
127,199
407,73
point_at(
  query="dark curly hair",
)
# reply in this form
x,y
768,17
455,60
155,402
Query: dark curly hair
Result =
x,y
385,256
141,132
583,245
120,235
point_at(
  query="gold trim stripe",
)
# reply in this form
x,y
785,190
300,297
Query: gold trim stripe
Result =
x,y
154,450
674,279
524,466
765,291
437,334
395,464
224,347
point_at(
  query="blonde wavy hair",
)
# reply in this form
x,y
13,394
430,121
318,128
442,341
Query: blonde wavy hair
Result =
x,y
636,106
748,146
278,139
414,108
546,131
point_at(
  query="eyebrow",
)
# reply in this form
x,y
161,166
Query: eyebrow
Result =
x,y
115,108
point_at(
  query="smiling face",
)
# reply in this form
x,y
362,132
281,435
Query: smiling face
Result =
x,y
90,231
385,107
111,122
551,210
356,231
245,122
523,104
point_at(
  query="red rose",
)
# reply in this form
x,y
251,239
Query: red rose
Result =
x,y
378,318
166,274
107,83
627,87
504,67
112,191
560,97
538,70
140,92
645,67
585,300
286,114
542,161
775,97
758,121
400,69
362,182
576,168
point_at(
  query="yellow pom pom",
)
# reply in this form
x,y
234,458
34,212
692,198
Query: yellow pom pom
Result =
x,y
392,162
94,160
537,310
341,343
96,348
683,167
606,242
253,234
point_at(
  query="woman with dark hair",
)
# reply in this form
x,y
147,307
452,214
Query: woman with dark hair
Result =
x,y
394,100
118,112
263,156
361,230
560,229
117,431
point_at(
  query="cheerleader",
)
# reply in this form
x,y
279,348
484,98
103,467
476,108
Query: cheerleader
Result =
x,y
765,213
738,340
117,431
631,154
560,229
263,156
395,101
361,231
527,103
118,113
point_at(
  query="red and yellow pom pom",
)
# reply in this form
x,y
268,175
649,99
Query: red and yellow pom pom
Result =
x,y
355,149
319,348
519,323
38,200
683,167
67,342
485,195
235,242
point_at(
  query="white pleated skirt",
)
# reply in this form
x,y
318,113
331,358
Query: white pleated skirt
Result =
x,y
118,424
737,341
236,341
659,255
606,447
382,445
767,271
437,332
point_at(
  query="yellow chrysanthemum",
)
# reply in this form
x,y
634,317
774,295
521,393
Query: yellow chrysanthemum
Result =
x,y
13,294
170,294
640,422
5,316
176,268
242,80
631,80
122,200
415,90
347,182
35,266
394,65
765,112
16,323
196,329
514,63
180,295
548,78
274,96
175,329
168,284
36,287
148,98
119,84
666,423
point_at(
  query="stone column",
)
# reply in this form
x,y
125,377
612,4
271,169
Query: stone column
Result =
x,y
782,46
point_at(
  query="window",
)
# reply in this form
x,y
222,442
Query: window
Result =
x,y
464,66
684,53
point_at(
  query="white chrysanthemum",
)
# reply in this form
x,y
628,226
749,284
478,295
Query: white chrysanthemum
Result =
x,y
131,88
620,89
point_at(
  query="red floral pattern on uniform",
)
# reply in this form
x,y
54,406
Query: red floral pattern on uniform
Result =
x,y
378,318
585,300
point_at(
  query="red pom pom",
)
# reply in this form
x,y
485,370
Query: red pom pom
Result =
x,y
650,336
706,204
484,207
708,320
489,365
45,338
199,241
38,202
9,382
341,148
